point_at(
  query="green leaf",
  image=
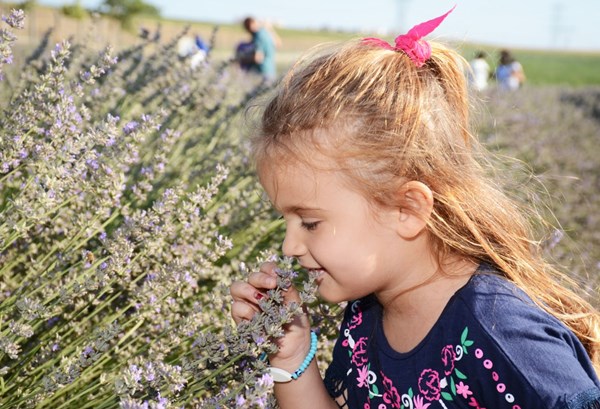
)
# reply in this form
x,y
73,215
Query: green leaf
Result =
x,y
463,337
452,386
468,343
410,392
459,374
446,396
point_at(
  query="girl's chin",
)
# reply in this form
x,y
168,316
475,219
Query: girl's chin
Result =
x,y
326,294
326,288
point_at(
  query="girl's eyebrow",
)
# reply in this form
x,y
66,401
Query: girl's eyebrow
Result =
x,y
298,209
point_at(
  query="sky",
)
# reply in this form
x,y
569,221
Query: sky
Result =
x,y
534,24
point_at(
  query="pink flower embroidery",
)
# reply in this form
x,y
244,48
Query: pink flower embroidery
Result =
x,y
429,384
366,406
419,404
448,358
473,403
363,376
462,389
359,355
391,395
356,320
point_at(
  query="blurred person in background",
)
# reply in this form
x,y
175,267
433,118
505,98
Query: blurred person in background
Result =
x,y
509,73
260,57
480,71
192,49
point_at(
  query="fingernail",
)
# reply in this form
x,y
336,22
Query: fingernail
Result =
x,y
259,296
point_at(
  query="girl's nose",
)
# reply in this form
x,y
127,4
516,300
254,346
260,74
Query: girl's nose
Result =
x,y
292,244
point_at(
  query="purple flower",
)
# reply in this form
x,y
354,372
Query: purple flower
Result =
x,y
16,19
240,401
265,380
261,402
130,127
136,372
162,403
52,321
92,163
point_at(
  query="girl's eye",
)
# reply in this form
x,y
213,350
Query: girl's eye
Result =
x,y
310,226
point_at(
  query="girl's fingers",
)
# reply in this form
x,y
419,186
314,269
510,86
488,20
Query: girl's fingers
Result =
x,y
247,295
242,311
269,268
263,280
245,300
241,290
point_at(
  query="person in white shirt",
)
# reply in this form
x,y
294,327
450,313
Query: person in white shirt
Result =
x,y
480,71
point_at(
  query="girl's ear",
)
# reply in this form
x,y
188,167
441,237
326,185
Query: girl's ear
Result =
x,y
416,204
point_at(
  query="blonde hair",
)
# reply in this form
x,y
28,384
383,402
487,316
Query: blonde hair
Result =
x,y
390,121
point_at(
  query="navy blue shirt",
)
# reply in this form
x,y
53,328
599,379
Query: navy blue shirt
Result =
x,y
492,347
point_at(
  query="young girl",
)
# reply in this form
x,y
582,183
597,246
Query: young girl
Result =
x,y
366,152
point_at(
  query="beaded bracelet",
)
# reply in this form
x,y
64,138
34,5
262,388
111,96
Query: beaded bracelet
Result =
x,y
280,375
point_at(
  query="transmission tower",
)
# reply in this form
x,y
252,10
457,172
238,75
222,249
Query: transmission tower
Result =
x,y
559,31
401,15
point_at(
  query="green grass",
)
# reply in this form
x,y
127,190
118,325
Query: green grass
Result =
x,y
576,69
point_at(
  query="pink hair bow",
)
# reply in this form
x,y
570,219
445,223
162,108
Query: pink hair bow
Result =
x,y
412,43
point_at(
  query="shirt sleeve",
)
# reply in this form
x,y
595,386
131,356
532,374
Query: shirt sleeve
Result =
x,y
542,352
585,400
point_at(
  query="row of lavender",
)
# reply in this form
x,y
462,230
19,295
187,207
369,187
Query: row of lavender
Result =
x,y
126,205
554,134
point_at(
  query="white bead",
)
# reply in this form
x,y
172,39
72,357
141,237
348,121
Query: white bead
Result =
x,y
280,375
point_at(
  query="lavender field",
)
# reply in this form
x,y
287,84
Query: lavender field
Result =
x,y
128,205
554,133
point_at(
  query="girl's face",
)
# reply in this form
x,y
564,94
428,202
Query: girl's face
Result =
x,y
333,230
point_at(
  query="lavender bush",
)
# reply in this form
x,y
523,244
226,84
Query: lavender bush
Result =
x,y
127,207
124,185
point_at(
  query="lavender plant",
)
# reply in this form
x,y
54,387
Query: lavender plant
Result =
x,y
117,216
7,37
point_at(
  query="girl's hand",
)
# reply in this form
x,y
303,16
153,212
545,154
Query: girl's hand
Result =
x,y
295,344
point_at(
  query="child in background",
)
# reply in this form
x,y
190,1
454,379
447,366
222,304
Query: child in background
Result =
x,y
509,73
365,150
480,71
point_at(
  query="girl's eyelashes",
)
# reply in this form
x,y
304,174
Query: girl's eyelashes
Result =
x,y
310,226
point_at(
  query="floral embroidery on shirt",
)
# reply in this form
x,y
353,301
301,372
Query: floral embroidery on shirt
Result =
x,y
435,386
391,393
429,384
